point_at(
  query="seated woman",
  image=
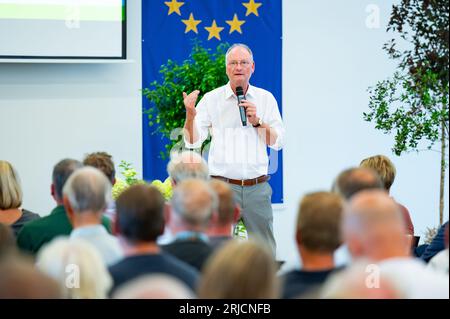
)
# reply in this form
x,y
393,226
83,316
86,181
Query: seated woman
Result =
x,y
11,212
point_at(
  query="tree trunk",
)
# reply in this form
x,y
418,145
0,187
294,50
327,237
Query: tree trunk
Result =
x,y
443,166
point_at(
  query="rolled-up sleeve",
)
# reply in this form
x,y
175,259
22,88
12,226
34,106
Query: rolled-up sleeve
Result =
x,y
274,120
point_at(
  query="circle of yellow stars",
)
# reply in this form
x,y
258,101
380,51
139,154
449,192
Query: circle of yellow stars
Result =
x,y
213,30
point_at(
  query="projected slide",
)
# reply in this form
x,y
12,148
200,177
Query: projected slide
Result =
x,y
62,29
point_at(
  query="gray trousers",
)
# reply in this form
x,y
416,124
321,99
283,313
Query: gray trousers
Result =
x,y
256,205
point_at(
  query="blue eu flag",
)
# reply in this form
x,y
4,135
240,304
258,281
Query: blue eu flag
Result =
x,y
168,30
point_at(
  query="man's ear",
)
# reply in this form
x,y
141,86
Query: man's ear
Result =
x,y
68,208
114,181
298,237
115,225
53,191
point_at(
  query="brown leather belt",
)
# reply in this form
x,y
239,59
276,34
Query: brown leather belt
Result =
x,y
244,182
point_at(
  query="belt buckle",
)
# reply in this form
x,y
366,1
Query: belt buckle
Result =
x,y
242,182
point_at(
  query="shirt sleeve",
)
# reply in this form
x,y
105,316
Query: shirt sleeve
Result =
x,y
274,121
202,122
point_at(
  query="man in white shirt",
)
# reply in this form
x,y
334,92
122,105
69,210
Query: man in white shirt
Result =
x,y
238,152
373,229
86,195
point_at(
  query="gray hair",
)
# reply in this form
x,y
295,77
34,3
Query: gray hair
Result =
x,y
88,189
61,172
194,201
186,165
235,46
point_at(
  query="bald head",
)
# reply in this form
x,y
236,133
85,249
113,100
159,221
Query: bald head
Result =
x,y
194,201
354,180
373,226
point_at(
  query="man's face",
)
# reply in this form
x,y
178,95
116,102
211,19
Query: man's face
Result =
x,y
240,67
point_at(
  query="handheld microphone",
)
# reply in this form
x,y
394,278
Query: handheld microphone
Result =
x,y
240,96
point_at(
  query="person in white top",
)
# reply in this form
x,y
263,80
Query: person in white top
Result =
x,y
373,229
85,196
238,152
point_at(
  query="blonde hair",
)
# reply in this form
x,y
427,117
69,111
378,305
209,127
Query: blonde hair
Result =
x,y
383,166
10,191
240,270
77,266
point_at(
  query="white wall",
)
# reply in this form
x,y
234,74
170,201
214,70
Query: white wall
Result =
x,y
48,112
52,111
330,58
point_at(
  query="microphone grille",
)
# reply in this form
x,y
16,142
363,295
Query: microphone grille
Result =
x,y
239,90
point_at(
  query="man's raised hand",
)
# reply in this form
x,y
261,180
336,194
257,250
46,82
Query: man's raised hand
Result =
x,y
189,103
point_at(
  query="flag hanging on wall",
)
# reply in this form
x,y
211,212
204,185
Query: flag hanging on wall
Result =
x,y
168,30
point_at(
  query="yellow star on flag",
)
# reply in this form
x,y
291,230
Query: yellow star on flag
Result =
x,y
235,24
191,24
252,7
214,31
174,6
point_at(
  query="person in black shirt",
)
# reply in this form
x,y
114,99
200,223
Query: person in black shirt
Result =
x,y
317,236
140,220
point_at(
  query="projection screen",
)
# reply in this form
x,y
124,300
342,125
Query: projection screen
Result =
x,y
62,29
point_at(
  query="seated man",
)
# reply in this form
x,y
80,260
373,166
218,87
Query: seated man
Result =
x,y
222,222
374,231
86,195
140,220
192,204
41,231
318,236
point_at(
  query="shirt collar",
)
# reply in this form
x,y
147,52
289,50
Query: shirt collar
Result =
x,y
229,92
88,230
191,235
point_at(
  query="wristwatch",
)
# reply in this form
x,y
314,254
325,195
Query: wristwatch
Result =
x,y
260,122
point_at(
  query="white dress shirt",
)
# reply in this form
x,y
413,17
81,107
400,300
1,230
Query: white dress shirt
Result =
x,y
237,151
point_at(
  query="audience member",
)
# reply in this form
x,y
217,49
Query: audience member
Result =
x,y
222,221
441,260
156,286
20,279
77,266
103,161
11,212
183,165
354,180
358,281
36,233
86,195
192,205
187,165
373,229
436,245
386,170
317,236
7,240
240,270
140,220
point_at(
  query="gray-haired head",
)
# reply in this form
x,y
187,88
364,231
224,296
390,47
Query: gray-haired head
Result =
x,y
88,189
61,172
194,201
186,165
356,179
235,46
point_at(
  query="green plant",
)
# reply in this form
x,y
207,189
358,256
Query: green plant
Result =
x,y
130,175
413,103
203,70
